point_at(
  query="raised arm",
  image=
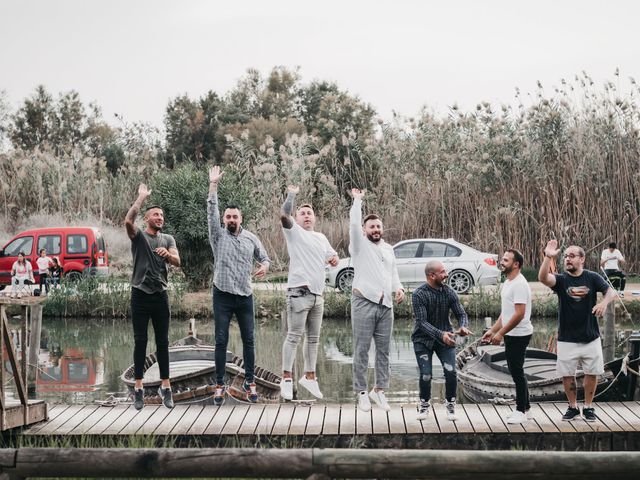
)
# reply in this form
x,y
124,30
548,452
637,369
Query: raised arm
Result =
x,y
287,207
213,211
132,214
551,251
355,221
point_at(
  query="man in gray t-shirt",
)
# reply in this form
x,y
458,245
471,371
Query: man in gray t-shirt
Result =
x,y
152,251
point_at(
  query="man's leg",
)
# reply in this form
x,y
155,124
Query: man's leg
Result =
x,y
515,352
382,339
423,357
222,311
160,317
140,320
570,390
244,314
362,326
297,311
312,339
447,356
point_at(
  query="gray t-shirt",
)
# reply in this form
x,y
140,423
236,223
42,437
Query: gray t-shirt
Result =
x,y
150,270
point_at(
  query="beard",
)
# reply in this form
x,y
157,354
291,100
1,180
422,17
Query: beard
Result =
x,y
372,238
233,228
507,270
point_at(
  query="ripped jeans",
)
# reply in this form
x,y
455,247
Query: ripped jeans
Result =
x,y
447,356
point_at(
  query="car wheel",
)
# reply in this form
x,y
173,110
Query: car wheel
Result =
x,y
460,281
73,276
345,280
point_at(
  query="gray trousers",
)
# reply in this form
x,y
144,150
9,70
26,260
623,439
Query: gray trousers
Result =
x,y
304,316
370,321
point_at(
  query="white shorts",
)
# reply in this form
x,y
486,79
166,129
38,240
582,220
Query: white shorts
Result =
x,y
585,356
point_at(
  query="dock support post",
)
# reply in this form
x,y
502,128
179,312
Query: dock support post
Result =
x,y
608,340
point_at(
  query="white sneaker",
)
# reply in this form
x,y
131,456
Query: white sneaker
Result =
x,y
363,401
451,410
286,389
423,410
529,414
516,417
380,400
311,385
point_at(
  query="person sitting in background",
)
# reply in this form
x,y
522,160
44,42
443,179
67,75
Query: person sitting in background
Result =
x,y
21,276
43,263
55,272
610,261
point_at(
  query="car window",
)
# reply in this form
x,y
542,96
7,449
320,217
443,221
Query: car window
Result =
x,y
77,244
453,251
434,249
22,244
51,243
407,250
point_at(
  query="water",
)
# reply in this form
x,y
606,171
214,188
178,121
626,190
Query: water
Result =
x,y
81,360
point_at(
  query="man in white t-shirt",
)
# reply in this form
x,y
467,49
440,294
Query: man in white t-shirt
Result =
x,y
610,261
309,252
43,263
514,325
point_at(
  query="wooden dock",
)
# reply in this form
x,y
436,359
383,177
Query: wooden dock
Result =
x,y
343,425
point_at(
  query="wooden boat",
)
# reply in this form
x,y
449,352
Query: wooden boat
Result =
x,y
192,374
484,376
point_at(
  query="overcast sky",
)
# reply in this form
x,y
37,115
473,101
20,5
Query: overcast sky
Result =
x,y
132,56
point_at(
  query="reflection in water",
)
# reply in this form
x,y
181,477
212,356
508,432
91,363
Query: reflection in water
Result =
x,y
82,360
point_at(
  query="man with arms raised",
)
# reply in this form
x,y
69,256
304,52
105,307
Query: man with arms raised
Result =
x,y
578,333
234,251
374,283
514,326
152,252
309,252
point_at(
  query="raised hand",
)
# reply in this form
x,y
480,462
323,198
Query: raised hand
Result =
x,y
357,193
215,174
143,191
293,189
552,250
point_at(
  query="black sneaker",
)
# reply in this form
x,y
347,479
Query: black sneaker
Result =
x,y
589,414
251,392
218,396
166,396
138,398
571,414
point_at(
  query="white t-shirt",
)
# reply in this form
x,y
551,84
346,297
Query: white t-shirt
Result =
x,y
513,292
43,264
613,263
308,255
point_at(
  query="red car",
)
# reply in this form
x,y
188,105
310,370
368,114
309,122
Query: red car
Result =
x,y
80,250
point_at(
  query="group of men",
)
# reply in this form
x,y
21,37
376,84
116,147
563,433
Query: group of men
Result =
x,y
376,286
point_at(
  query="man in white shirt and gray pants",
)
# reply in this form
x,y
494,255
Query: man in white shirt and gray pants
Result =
x,y
375,281
309,252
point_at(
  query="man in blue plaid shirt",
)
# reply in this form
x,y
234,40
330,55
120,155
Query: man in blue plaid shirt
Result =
x,y
234,250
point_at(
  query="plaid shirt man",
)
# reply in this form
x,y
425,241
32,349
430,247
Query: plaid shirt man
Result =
x,y
431,308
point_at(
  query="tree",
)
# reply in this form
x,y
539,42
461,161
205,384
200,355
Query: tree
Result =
x,y
35,122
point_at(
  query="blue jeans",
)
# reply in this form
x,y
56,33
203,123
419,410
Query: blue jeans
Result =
x,y
224,306
447,356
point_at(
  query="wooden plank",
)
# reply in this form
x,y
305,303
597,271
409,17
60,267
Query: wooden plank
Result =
x,y
202,421
579,424
171,420
529,426
76,420
299,421
189,417
380,421
412,424
348,419
281,425
492,418
268,418
112,415
440,412
316,420
235,420
90,421
555,416
623,414
476,418
142,417
53,413
60,420
331,425
363,421
608,417
543,421
396,420
219,420
251,420
463,423
632,408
